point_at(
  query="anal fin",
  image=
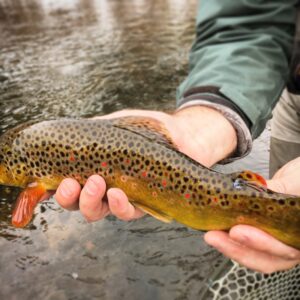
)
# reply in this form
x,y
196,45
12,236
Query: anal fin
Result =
x,y
26,202
157,215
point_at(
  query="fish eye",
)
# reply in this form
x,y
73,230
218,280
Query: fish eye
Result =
x,y
238,184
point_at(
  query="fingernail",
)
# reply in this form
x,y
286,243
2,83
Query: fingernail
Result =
x,y
91,187
66,192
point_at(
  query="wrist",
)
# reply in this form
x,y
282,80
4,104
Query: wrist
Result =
x,y
204,134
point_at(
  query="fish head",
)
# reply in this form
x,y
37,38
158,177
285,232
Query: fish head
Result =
x,y
13,170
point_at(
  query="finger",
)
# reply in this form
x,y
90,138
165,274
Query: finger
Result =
x,y
291,168
250,258
286,185
120,206
67,194
91,205
261,241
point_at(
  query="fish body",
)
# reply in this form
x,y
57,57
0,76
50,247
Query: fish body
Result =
x,y
136,155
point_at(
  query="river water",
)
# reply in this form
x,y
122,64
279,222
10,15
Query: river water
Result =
x,y
77,58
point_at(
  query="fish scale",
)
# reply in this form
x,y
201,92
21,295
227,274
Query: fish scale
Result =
x,y
137,155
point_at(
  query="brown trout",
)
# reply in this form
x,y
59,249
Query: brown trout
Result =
x,y
136,155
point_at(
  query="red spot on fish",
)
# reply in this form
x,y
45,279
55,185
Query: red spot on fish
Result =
x,y
187,196
144,173
240,219
104,164
216,200
72,157
154,194
164,183
127,161
166,174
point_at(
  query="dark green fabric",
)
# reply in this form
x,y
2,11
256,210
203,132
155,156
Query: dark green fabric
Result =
x,y
243,48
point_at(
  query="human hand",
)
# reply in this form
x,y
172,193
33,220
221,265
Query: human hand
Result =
x,y
200,132
254,248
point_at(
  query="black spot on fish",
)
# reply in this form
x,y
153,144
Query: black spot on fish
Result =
x,y
256,206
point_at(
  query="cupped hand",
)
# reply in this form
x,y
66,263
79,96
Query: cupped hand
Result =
x,y
193,130
254,248
91,200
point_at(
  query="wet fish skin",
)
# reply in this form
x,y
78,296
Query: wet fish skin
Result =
x,y
136,155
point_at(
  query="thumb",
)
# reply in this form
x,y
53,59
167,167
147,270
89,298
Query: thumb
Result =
x,y
286,185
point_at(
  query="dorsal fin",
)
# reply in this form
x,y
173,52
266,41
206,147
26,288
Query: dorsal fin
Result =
x,y
153,130
250,177
147,127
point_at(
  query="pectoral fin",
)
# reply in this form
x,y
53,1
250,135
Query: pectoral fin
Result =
x,y
157,215
26,202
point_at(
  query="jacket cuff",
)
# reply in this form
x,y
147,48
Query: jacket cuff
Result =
x,y
227,109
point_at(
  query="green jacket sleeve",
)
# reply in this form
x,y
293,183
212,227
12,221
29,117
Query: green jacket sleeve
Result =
x,y
241,54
